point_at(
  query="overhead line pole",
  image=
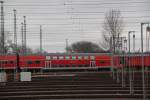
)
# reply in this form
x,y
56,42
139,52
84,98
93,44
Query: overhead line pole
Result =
x,y
25,42
15,44
40,39
112,57
124,67
22,38
133,65
25,45
67,45
15,31
143,67
2,29
130,71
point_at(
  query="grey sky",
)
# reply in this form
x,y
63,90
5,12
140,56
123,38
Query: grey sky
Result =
x,y
74,20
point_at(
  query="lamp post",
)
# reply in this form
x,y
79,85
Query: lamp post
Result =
x,y
123,60
133,42
112,57
125,48
147,37
133,58
17,67
130,74
142,55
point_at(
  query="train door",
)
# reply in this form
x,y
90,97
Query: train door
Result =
x,y
1,66
92,64
48,64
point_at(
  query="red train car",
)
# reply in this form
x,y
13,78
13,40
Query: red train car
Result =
x,y
78,60
132,60
73,60
136,60
25,62
7,61
31,62
57,60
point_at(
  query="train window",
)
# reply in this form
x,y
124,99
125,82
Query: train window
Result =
x,y
1,62
29,62
73,65
102,61
48,58
86,65
67,57
5,62
73,57
67,65
54,65
79,57
60,65
37,62
61,57
92,57
86,57
54,57
11,62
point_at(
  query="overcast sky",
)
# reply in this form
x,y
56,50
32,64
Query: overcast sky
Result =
x,y
74,20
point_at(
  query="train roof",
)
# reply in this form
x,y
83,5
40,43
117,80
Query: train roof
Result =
x,y
60,54
76,54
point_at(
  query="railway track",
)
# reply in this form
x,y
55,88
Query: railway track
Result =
x,y
70,86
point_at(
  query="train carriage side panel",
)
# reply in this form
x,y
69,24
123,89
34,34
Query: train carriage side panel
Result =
x,y
32,61
7,61
103,61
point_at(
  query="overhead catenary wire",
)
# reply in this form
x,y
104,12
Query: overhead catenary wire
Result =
x,y
82,12
73,15
75,3
83,18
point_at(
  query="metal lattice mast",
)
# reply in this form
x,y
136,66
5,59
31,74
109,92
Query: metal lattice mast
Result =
x,y
22,38
2,29
148,41
25,45
15,31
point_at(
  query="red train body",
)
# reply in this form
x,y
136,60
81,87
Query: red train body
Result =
x,y
74,60
133,60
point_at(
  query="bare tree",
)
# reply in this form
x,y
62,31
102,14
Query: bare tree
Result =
x,y
85,47
112,29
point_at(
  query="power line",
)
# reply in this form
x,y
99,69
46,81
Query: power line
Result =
x,y
73,15
70,23
82,18
81,12
77,3
46,8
